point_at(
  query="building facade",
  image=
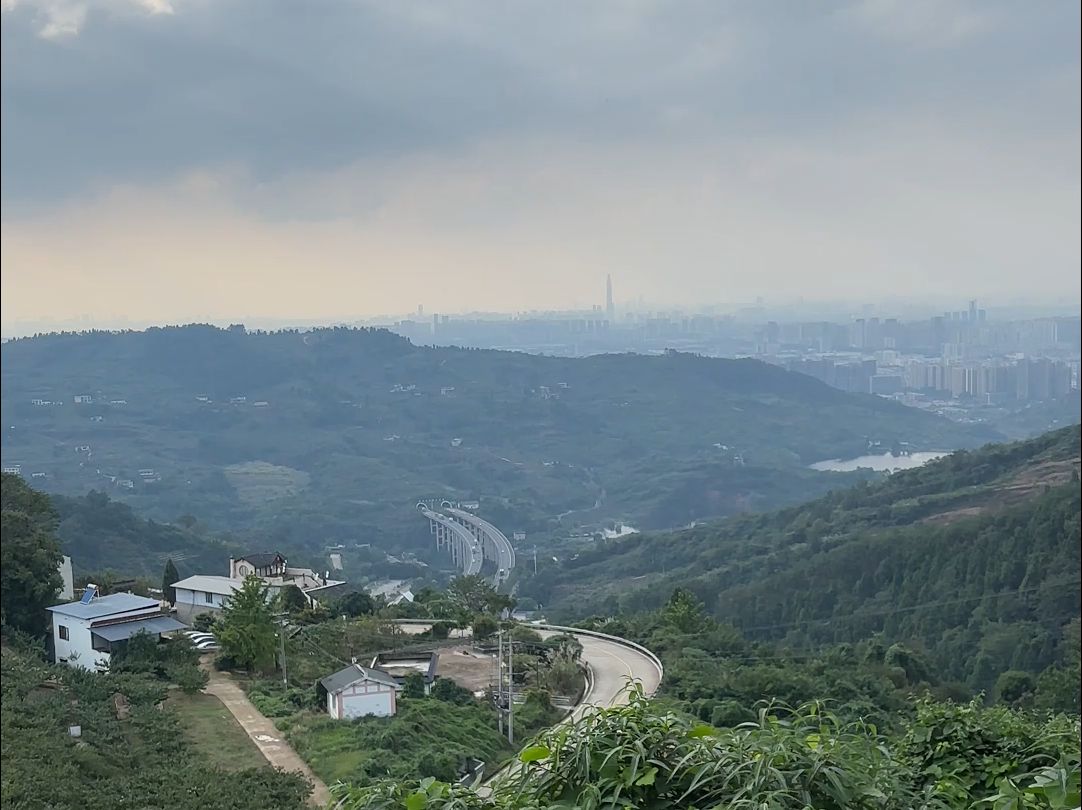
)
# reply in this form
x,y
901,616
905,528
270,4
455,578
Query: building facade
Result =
x,y
85,634
358,691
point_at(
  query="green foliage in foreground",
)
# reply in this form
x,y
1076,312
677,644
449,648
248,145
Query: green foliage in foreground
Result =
x,y
29,556
714,673
637,756
427,737
142,761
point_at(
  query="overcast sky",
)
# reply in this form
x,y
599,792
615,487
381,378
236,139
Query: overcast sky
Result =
x,y
170,160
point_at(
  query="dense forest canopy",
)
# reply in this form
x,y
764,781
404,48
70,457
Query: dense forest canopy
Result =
x,y
330,435
973,559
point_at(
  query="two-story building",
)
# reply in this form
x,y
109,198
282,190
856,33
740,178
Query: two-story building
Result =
x,y
274,569
208,594
86,633
263,564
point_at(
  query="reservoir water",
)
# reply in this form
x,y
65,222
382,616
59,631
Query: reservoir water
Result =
x,y
884,462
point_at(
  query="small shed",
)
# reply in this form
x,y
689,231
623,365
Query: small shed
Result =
x,y
357,691
401,665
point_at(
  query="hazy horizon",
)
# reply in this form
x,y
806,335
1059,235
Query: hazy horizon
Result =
x,y
168,162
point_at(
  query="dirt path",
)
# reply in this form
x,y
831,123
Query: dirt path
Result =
x,y
262,732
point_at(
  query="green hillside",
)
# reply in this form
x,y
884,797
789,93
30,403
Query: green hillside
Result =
x,y
331,435
974,558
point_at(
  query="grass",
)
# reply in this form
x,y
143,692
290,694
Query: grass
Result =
x,y
214,732
258,481
427,737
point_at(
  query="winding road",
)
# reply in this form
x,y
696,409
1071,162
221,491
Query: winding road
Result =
x,y
612,663
505,552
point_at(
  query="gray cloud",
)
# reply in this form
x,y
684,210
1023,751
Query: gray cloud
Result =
x,y
335,158
123,94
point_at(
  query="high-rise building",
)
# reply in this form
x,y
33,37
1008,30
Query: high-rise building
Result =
x,y
610,308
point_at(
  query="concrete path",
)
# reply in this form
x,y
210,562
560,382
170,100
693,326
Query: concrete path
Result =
x,y
262,731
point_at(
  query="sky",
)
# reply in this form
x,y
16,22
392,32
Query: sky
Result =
x,y
178,160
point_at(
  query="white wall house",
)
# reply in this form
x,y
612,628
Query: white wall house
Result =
x,y
86,634
358,691
203,594
207,594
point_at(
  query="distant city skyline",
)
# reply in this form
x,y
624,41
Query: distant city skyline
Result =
x,y
791,309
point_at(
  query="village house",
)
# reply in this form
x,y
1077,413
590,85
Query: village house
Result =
x,y
204,594
86,633
358,691
272,568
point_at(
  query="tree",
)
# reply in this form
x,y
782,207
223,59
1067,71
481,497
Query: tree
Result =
x,y
441,629
474,594
246,628
170,576
357,603
564,677
414,686
484,627
291,599
684,611
30,556
1014,686
450,692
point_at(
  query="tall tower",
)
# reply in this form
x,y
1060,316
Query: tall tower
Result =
x,y
610,308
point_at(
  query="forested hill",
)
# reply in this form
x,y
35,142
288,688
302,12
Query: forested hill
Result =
x,y
330,435
976,557
101,534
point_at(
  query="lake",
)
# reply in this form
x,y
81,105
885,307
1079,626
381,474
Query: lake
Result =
x,y
883,462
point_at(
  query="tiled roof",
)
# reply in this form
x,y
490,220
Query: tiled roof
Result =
x,y
261,559
353,673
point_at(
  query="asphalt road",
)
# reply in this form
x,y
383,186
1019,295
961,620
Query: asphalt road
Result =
x,y
611,666
505,550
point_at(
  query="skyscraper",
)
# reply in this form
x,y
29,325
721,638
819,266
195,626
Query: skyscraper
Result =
x,y
610,308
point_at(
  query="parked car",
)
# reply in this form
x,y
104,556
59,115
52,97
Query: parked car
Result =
x,y
206,645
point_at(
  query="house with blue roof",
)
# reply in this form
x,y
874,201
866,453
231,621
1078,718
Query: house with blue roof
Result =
x,y
88,632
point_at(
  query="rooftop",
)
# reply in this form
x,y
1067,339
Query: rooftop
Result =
x,y
399,665
101,606
210,584
261,559
125,630
353,673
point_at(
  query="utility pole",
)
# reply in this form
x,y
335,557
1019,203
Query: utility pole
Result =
x,y
499,679
535,560
282,647
510,690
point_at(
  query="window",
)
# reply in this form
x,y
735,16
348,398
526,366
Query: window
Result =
x,y
209,597
63,631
